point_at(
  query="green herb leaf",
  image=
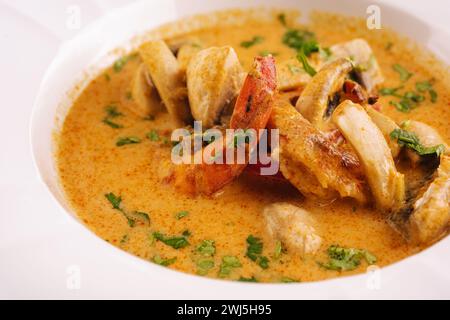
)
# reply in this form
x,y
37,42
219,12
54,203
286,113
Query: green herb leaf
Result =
x,y
404,74
119,64
306,66
112,124
204,266
182,214
389,91
433,96
153,136
254,247
347,259
288,280
114,200
228,264
424,86
124,239
282,18
254,41
263,262
163,262
127,140
301,39
142,216
207,248
186,233
278,250
174,242
252,279
411,141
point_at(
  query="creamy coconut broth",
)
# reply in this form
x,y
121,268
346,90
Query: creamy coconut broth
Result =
x,y
108,151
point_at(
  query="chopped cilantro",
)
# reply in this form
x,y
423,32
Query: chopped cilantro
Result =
x,y
282,18
252,279
174,242
347,259
207,248
127,140
228,264
306,66
153,136
254,41
182,214
404,74
163,262
204,266
254,251
411,141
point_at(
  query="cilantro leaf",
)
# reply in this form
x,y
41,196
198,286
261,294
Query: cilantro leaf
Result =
x,y
180,215
254,247
163,262
228,264
127,140
347,259
306,66
174,242
411,141
404,74
254,41
207,248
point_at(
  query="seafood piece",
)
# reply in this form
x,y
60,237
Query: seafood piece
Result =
x,y
427,218
293,226
168,79
386,126
252,111
319,98
386,183
428,137
214,78
146,98
367,69
316,166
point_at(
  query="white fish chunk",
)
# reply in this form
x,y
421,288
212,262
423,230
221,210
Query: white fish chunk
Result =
x,y
293,226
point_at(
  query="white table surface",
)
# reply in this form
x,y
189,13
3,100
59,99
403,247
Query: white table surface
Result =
x,y
30,34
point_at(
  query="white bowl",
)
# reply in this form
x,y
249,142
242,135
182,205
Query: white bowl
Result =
x,y
422,275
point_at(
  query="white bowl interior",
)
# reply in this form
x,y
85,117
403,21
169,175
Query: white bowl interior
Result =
x,y
83,57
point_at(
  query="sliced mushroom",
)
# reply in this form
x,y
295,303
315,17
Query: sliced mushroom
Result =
x,y
168,79
214,79
294,227
428,137
427,218
386,183
319,99
386,126
145,96
367,68
316,166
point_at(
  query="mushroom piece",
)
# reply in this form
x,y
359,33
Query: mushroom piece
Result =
x,y
386,183
428,137
386,126
366,66
318,100
168,78
427,218
293,226
145,96
316,166
214,79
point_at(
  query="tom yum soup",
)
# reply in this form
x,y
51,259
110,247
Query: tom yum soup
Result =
x,y
264,150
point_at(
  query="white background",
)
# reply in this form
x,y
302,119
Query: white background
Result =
x,y
30,34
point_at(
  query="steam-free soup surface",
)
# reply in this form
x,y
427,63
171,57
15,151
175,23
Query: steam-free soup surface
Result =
x,y
91,165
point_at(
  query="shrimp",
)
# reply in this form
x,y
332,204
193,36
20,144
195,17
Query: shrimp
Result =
x,y
252,111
